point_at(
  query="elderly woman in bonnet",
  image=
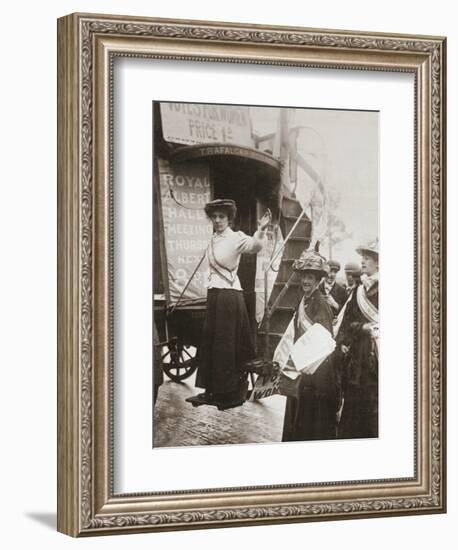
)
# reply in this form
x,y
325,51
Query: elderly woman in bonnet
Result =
x,y
313,399
227,342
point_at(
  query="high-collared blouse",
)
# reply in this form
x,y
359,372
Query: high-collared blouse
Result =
x,y
224,252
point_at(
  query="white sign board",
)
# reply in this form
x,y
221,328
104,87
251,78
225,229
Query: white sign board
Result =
x,y
194,123
187,230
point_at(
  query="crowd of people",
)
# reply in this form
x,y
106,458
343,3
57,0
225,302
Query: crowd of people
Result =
x,y
340,398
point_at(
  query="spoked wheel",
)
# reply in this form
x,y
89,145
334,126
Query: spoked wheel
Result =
x,y
177,362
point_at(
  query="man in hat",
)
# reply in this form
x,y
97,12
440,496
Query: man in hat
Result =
x,y
357,340
227,341
310,412
353,276
334,293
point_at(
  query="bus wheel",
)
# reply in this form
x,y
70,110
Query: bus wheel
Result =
x,y
177,362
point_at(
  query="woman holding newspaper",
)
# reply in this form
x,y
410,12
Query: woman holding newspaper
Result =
x,y
226,343
357,345
308,379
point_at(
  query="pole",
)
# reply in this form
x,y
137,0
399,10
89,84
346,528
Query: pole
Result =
x,y
284,151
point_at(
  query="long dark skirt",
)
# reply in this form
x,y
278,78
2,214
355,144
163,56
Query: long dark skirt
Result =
x,y
359,413
226,344
312,414
360,391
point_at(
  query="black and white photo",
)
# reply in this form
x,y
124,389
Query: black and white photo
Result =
x,y
266,274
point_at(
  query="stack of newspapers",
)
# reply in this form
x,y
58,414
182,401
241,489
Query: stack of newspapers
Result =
x,y
310,350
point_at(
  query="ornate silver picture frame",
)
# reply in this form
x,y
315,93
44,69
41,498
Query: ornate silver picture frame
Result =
x,y
88,46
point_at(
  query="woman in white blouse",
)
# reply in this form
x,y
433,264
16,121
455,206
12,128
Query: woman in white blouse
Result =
x,y
227,343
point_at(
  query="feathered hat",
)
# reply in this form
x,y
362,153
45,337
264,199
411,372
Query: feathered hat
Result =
x,y
312,260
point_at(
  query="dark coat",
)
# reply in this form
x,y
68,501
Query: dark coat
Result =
x,y
359,372
339,294
312,413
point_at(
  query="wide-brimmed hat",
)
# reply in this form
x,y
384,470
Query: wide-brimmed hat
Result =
x,y
310,260
334,264
226,205
372,247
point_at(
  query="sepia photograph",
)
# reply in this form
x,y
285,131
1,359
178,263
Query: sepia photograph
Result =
x,y
266,274
225,191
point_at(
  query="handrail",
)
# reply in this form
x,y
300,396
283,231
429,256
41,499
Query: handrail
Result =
x,y
274,256
172,309
269,311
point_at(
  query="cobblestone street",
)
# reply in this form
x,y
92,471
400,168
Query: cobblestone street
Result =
x,y
177,423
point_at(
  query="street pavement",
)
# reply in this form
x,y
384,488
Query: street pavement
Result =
x,y
177,423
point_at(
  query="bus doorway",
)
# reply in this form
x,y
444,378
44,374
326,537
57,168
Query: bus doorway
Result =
x,y
232,181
